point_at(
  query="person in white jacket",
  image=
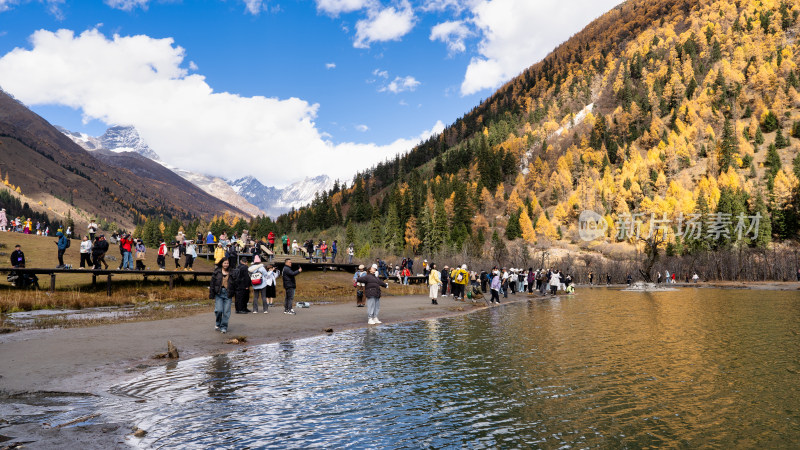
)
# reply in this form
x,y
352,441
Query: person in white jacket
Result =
x,y
265,287
86,252
555,282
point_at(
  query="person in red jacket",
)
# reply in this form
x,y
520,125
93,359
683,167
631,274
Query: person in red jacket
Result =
x,y
126,244
271,240
161,260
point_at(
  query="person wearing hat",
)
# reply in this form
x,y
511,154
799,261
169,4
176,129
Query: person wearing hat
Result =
x,y
372,289
460,280
161,257
434,281
99,250
359,286
3,220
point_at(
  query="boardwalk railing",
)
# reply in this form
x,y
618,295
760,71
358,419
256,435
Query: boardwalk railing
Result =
x,y
172,274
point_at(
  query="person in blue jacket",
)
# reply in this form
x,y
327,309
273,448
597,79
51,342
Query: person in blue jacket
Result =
x,y
62,247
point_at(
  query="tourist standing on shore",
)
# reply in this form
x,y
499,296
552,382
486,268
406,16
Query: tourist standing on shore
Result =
x,y
289,285
86,250
372,290
258,278
460,280
220,289
99,250
494,287
359,286
555,281
434,281
62,247
241,283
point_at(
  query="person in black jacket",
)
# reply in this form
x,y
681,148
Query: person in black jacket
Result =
x,y
289,285
242,283
222,284
372,290
17,257
99,252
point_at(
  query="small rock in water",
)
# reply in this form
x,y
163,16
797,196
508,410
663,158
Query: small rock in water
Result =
x,y
139,433
172,352
329,330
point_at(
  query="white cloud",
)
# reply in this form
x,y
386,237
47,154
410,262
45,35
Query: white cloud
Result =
x,y
442,5
139,81
127,5
451,33
381,73
518,33
254,6
336,7
330,65
362,128
388,24
192,65
401,84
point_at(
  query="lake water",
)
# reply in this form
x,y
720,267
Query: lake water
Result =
x,y
603,368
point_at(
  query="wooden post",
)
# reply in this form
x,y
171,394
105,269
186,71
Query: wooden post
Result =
x,y
108,286
52,282
94,280
171,280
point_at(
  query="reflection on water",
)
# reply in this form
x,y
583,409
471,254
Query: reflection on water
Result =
x,y
602,368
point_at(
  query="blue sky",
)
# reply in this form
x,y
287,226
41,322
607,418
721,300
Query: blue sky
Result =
x,y
320,86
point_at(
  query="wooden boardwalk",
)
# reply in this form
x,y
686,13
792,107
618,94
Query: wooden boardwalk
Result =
x,y
172,274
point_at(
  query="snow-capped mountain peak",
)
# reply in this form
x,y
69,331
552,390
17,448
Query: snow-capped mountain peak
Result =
x,y
275,201
127,139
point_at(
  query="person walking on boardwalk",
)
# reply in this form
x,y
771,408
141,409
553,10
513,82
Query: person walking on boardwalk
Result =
x,y
334,251
140,254
285,243
125,245
434,281
92,228
86,252
372,290
99,250
191,254
3,220
242,286
289,285
271,240
351,251
161,256
62,247
222,284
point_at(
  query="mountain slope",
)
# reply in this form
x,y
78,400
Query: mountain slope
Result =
x,y
657,107
50,168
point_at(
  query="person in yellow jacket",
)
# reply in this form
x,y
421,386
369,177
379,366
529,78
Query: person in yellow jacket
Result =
x,y
434,281
460,280
219,254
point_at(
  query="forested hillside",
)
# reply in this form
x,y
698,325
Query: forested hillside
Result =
x,y
661,107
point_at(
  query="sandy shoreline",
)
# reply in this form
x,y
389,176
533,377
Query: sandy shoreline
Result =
x,y
91,359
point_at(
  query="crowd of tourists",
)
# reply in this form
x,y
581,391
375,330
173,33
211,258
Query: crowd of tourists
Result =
x,y
24,225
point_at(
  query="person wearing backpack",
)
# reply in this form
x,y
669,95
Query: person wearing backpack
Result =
x,y
242,283
63,244
258,278
460,280
359,286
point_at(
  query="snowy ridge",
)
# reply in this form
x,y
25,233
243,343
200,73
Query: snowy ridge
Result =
x,y
275,201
